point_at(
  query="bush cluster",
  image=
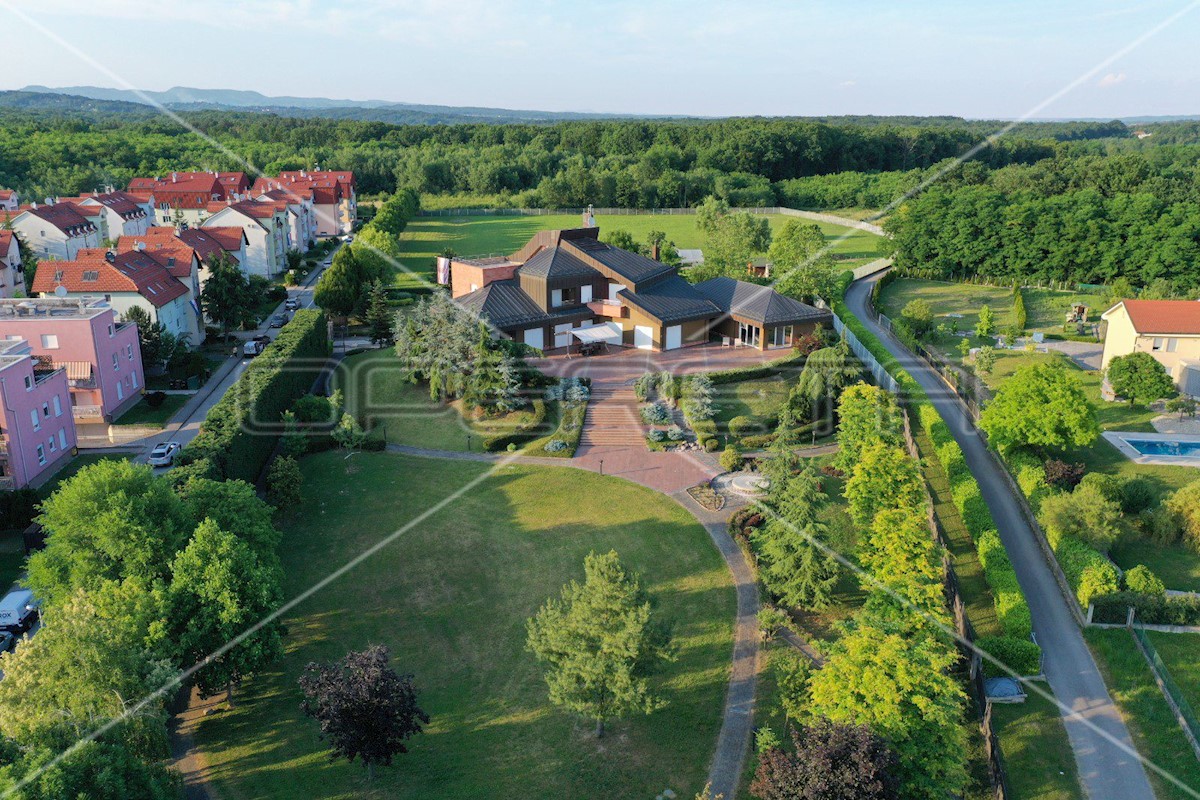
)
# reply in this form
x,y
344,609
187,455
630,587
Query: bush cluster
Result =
x,y
1151,609
525,432
239,433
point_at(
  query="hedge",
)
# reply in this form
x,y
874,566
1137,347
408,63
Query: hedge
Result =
x,y
522,433
240,431
1020,655
764,370
1011,609
705,429
1151,609
1088,571
570,427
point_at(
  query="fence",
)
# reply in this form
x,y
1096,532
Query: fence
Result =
x,y
1171,691
816,216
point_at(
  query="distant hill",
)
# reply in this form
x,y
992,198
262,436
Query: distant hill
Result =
x,y
182,98
61,103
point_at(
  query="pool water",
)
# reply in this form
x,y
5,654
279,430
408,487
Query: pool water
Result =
x,y
1150,447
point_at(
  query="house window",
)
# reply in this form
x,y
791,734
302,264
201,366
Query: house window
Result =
x,y
46,410
120,390
49,341
57,406
37,421
41,451
62,438
133,378
1172,344
129,351
90,276
116,361
110,327
1157,345
781,335
53,446
28,383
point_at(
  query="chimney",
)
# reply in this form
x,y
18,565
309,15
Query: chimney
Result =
x,y
655,252
174,177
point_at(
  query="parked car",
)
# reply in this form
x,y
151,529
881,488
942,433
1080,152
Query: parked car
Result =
x,y
163,454
349,238
255,346
279,320
7,641
292,304
18,611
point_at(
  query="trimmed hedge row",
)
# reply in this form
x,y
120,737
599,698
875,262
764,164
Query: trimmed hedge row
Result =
x,y
1012,610
1020,655
1151,609
1088,571
570,428
522,433
239,433
764,370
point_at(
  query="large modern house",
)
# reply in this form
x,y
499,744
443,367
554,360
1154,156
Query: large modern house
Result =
x,y
567,285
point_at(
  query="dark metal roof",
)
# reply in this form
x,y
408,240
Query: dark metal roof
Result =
x,y
557,262
504,304
672,300
760,304
631,266
507,306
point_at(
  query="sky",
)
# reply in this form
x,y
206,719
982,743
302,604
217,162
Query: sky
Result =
x,y
1006,60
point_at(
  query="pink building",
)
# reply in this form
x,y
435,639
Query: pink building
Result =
x,y
101,356
37,433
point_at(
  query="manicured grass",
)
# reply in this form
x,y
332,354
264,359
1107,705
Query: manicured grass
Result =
x,y
143,414
427,237
1156,733
1037,754
1181,653
450,598
1045,309
378,391
1175,564
759,399
12,560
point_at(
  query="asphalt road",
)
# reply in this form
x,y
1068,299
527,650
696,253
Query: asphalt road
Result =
x,y
1104,753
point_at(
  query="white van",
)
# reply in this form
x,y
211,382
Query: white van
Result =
x,y
18,611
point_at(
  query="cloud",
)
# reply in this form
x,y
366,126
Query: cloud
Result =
x,y
1111,79
848,84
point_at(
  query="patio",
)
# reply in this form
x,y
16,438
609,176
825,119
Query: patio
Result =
x,y
624,364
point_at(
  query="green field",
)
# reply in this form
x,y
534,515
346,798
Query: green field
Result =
x,y
427,237
1040,763
450,598
1156,733
1180,651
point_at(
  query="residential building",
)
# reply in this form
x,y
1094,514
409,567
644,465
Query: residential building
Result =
x,y
302,215
58,231
567,285
9,200
37,430
12,277
333,195
1169,330
124,213
175,257
267,230
208,243
185,196
100,355
125,280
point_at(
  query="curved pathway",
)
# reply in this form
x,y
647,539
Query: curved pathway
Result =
x,y
1108,764
737,723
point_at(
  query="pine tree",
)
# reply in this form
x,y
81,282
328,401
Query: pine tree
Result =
x,y
379,315
795,567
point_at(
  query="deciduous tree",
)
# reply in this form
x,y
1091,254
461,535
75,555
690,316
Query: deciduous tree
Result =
x,y
828,762
866,414
1041,406
226,298
884,477
1140,378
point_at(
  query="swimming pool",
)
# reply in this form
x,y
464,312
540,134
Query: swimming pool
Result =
x,y
1154,447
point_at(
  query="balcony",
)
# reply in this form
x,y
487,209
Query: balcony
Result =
x,y
88,413
612,309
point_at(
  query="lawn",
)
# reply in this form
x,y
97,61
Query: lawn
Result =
x,y
1156,733
759,399
1175,564
1179,652
426,237
1037,754
378,391
143,414
450,598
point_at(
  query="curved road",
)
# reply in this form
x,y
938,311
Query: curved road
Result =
x,y
1107,763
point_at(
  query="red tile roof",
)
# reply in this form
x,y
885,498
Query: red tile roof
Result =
x,y
5,194
127,272
229,237
1164,316
7,242
64,216
123,203
169,252
206,243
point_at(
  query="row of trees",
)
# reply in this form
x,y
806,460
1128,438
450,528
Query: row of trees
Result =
x,y
140,580
888,683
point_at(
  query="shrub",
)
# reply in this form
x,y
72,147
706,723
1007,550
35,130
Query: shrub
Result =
x,y
655,414
311,409
675,433
706,431
745,517
1185,503
1084,514
1161,525
1107,485
644,385
765,370
1142,580
953,462
1151,609
512,447
1137,495
240,431
1032,481
1020,655
1088,572
974,511
711,445
528,431
655,435
556,445
731,459
1011,609
155,399
1062,475
743,426
284,483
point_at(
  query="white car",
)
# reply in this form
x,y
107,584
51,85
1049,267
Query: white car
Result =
x,y
163,455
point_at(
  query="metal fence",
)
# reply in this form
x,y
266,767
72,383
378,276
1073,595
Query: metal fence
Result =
x,y
1175,698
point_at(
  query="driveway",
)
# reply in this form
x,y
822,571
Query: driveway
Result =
x,y
1108,765
1086,354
